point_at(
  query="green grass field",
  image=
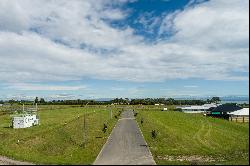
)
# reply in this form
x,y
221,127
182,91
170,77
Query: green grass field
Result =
x,y
194,139
181,138
59,139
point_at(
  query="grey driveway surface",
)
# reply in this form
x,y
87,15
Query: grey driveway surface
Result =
x,y
125,145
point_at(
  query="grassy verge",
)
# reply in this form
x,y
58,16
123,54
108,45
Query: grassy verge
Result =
x,y
194,139
59,139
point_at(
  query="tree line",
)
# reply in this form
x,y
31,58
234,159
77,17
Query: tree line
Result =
x,y
119,101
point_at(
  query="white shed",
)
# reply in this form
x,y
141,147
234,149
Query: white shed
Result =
x,y
241,115
165,109
24,121
241,112
197,108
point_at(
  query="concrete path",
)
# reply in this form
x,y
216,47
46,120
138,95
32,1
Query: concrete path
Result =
x,y
126,145
7,161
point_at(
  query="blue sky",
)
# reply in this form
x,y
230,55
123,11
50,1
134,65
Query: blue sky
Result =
x,y
123,48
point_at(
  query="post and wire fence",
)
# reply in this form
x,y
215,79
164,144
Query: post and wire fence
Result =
x,y
90,126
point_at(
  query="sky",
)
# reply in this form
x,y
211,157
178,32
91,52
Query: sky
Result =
x,y
60,49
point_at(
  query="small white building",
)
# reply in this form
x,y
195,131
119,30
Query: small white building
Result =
x,y
157,104
197,108
24,121
1,105
165,109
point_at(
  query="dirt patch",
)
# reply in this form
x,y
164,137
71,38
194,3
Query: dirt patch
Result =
x,y
7,161
193,158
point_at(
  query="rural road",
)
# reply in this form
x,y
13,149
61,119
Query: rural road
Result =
x,y
125,145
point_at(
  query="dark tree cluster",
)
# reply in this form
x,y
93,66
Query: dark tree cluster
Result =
x,y
169,101
118,101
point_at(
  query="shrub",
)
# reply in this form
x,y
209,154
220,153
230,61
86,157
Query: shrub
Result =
x,y
154,134
104,128
178,109
142,120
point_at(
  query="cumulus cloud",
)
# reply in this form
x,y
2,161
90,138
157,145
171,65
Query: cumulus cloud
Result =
x,y
71,40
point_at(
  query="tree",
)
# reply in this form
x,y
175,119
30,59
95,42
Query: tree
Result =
x,y
42,101
12,101
215,100
36,100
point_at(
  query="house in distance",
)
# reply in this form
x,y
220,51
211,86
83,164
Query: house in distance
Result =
x,y
223,111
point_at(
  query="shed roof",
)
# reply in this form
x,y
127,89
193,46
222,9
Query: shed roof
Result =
x,y
226,108
243,111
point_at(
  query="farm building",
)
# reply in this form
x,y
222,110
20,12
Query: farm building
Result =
x,y
241,115
1,105
158,104
222,111
165,109
24,121
197,108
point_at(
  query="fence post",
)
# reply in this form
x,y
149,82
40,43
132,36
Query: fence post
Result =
x,y
84,130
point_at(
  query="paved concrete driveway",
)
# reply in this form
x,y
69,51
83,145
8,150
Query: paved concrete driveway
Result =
x,y
126,145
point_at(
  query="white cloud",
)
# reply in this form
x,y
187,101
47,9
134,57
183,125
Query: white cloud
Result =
x,y
40,87
63,96
191,86
74,42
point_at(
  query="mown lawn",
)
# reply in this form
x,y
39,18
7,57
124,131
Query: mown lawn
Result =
x,y
194,139
59,139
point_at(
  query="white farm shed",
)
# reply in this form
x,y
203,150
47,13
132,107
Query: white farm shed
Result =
x,y
241,115
24,121
197,108
165,109
241,112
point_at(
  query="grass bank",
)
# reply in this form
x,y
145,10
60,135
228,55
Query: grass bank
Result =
x,y
194,139
59,139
